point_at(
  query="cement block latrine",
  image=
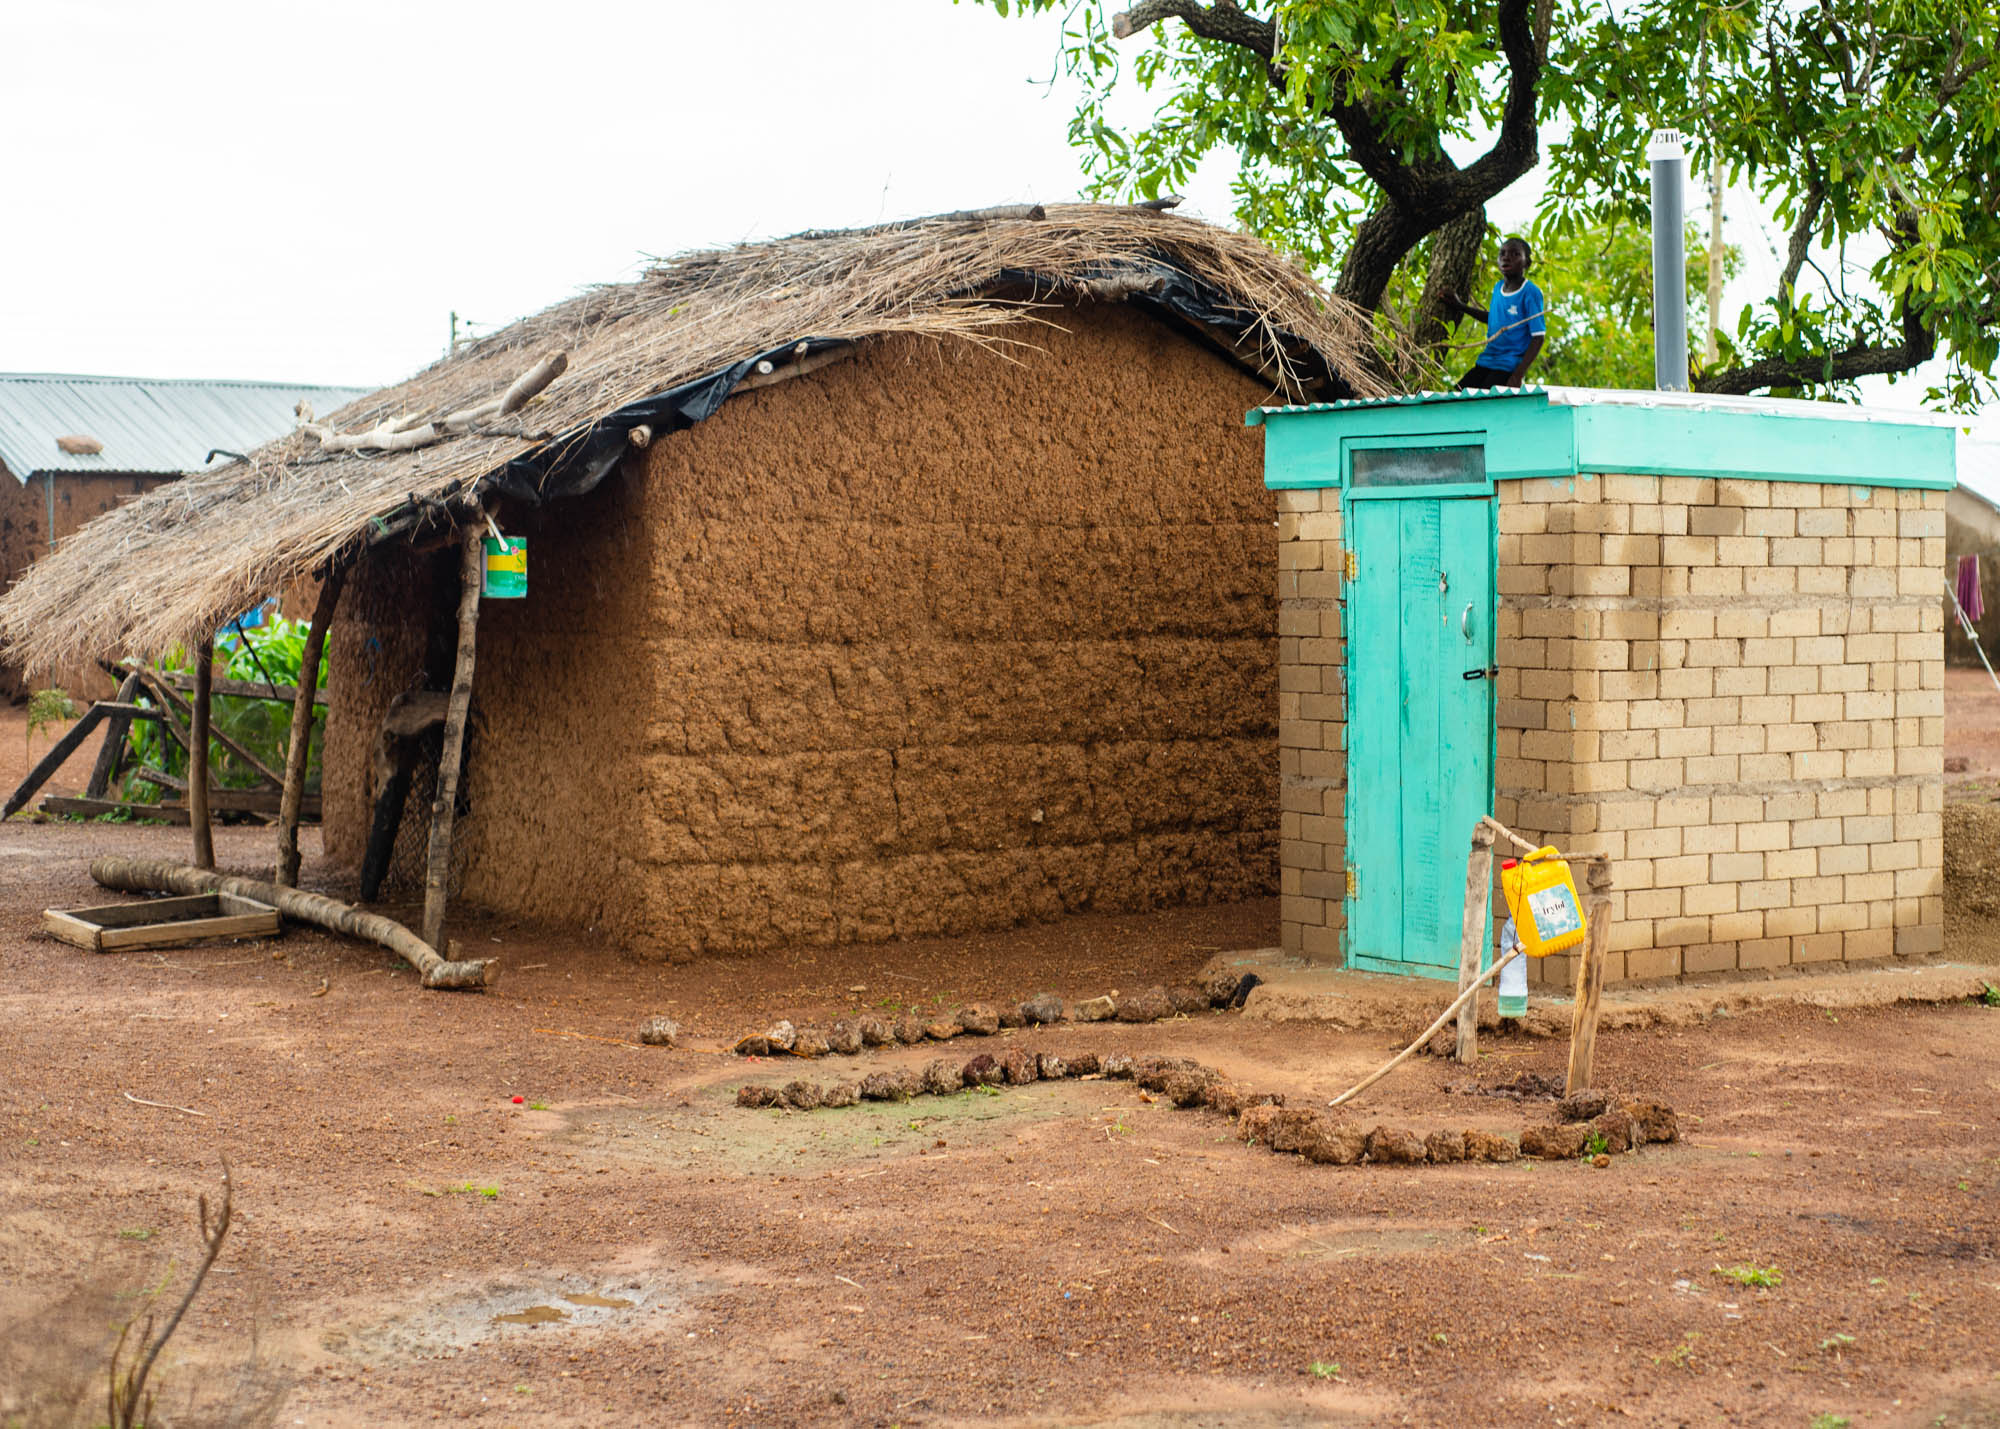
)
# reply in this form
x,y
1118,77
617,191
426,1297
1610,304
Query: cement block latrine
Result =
x,y
1715,656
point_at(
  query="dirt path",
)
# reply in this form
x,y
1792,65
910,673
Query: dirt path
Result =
x,y
1060,1253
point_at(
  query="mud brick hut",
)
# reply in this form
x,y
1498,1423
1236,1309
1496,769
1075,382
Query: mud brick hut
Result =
x,y
891,582
1702,636
74,447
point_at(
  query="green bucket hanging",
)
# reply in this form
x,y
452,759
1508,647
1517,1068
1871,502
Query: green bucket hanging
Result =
x,y
506,575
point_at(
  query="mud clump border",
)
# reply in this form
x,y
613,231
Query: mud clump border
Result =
x,y
1593,1125
849,1036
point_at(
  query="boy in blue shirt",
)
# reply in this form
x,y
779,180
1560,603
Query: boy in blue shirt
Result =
x,y
1515,322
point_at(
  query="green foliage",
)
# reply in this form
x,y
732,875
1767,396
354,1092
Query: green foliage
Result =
x,y
1830,1421
1594,1145
1324,1369
1989,994
47,707
262,726
1762,1277
1871,127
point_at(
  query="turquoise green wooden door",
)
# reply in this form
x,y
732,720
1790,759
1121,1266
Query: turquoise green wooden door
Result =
x,y
1420,732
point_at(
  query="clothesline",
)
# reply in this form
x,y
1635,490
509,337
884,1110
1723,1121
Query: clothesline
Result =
x,y
1970,633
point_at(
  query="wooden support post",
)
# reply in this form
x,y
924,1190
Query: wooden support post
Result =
x,y
300,747
204,837
111,756
438,873
1590,977
1472,941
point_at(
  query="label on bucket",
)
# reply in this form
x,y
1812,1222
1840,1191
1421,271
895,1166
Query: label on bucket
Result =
x,y
506,568
1555,913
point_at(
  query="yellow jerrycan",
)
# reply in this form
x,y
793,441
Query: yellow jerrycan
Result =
x,y
1541,895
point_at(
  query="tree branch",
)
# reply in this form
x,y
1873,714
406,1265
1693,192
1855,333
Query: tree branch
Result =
x,y
1802,232
1919,345
1220,21
1422,194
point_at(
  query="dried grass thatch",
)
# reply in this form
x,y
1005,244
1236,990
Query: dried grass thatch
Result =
x,y
175,563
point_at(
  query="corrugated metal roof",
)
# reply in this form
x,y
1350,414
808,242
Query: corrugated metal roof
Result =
x,y
1641,397
146,424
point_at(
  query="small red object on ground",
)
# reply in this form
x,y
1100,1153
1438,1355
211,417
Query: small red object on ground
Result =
x,y
519,1100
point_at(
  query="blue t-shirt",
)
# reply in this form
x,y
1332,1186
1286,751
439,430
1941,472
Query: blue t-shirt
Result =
x,y
1511,319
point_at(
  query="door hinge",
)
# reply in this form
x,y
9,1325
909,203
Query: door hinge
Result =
x,y
1353,884
1351,564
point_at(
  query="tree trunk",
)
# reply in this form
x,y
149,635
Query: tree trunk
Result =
x,y
1454,259
141,875
437,876
299,749
204,838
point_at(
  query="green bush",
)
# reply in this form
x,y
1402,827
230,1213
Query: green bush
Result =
x,y
263,727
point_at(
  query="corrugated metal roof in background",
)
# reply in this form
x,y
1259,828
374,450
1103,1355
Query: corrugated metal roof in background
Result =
x,y
146,424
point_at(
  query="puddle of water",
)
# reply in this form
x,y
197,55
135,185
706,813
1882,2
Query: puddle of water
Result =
x,y
560,1303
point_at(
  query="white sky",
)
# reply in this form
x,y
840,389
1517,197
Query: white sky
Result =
x,y
227,189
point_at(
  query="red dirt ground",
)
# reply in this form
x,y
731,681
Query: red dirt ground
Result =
x,y
1060,1253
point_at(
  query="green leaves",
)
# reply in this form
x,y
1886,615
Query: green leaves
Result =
x,y
1872,127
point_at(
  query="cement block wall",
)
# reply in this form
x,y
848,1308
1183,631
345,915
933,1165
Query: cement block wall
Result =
x,y
935,639
1733,688
1312,724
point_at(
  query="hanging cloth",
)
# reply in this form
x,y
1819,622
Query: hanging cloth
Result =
x,y
1969,598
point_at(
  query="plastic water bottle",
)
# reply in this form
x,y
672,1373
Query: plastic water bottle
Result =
x,y
1513,977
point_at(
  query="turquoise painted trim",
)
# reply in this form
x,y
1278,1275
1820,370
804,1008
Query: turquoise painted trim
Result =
x,y
1306,455
1657,441
1529,436
1350,445
1524,437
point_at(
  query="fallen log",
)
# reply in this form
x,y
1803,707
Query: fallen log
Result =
x,y
144,875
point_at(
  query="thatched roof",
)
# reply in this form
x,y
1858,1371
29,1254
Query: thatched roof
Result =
x,y
664,351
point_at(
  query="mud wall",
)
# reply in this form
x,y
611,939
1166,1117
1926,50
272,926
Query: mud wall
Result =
x,y
1735,689
24,538
375,650
931,640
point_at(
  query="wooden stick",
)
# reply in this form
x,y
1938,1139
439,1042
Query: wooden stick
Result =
x,y
158,686
241,689
1424,1036
443,806
300,745
53,760
530,384
132,875
1472,938
111,755
800,368
1589,981
204,837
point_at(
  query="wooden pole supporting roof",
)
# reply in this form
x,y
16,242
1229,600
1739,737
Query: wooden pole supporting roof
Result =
x,y
437,875
299,748
204,837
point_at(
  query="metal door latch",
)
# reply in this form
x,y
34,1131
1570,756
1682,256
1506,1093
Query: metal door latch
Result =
x,y
1491,672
